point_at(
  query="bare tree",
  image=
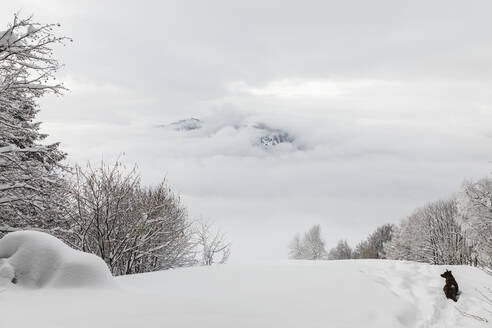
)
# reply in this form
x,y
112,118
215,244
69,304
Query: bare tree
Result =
x,y
475,211
431,234
132,228
314,244
365,250
213,247
372,247
311,247
340,252
30,178
399,247
296,248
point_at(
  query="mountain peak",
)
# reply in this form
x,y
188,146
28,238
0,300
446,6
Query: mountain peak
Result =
x,y
186,124
272,137
264,135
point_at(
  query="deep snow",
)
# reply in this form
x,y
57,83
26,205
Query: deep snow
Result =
x,y
33,259
356,293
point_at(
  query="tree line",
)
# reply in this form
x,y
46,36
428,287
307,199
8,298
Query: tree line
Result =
x,y
452,231
103,210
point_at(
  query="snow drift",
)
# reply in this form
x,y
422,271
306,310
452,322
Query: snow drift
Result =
x,y
35,259
349,294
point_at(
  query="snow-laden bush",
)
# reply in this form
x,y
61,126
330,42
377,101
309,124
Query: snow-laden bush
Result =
x,y
133,228
35,259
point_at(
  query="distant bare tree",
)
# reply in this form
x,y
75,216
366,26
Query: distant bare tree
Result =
x,y
342,251
431,234
314,244
296,248
365,250
372,247
212,244
475,211
311,247
399,247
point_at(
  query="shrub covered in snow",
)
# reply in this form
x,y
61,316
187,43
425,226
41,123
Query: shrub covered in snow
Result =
x,y
35,259
133,228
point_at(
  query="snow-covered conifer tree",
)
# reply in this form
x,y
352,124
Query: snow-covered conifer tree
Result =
x,y
29,169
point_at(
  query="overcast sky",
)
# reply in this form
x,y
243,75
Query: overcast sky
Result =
x,y
390,100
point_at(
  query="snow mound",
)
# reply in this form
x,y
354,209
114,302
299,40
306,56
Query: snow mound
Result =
x,y
288,294
35,259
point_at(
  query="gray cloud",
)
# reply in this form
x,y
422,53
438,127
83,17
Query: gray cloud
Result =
x,y
390,100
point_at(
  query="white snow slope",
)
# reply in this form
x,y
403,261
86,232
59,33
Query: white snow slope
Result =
x,y
354,293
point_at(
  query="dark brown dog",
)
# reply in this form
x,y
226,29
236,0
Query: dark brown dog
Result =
x,y
451,286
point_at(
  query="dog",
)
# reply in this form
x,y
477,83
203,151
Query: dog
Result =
x,y
451,287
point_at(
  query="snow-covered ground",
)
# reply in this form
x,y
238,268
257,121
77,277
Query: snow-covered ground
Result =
x,y
358,293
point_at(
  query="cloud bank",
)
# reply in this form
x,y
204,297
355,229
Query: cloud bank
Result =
x,y
388,104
